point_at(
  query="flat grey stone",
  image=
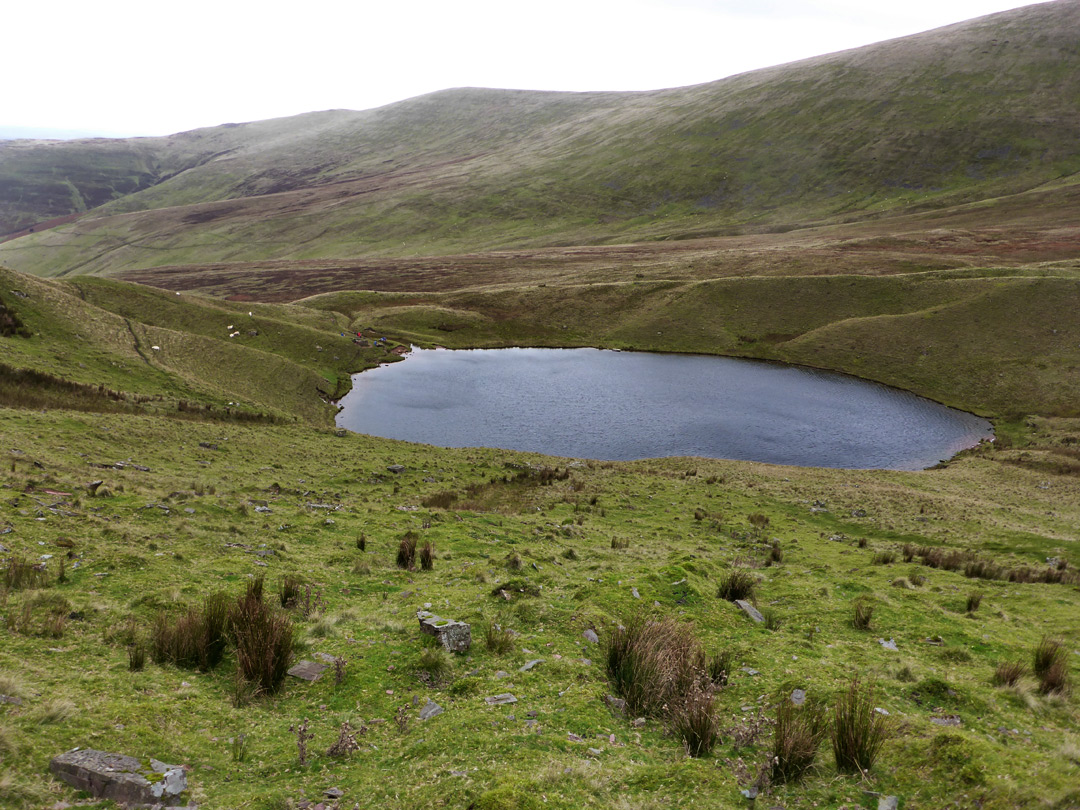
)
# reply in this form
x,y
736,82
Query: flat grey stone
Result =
x,y
750,671
590,635
307,670
888,645
635,593
430,709
531,664
798,697
121,778
888,803
333,793
12,700
396,469
750,610
326,658
948,720
500,700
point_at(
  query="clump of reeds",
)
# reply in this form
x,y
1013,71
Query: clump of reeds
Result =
x,y
736,584
797,736
858,732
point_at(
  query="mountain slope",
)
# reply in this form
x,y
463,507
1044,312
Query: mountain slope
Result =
x,y
968,112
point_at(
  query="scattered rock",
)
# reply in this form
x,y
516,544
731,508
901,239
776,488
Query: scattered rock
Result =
x,y
307,670
121,778
12,700
617,705
590,636
502,673
326,658
750,793
500,700
888,803
750,671
750,610
453,635
798,697
574,737
430,709
951,720
638,722
263,510
595,751
334,793
531,664
888,645
635,593
396,469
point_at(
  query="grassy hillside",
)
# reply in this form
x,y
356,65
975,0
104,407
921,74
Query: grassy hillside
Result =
x,y
165,349
974,111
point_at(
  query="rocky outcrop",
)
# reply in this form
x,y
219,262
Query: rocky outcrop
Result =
x,y
454,636
123,779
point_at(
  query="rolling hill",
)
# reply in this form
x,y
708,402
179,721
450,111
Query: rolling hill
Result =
x,y
977,111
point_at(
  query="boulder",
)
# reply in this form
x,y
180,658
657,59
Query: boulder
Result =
x,y
453,635
123,779
750,610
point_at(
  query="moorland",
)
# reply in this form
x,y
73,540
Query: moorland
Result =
x,y
178,317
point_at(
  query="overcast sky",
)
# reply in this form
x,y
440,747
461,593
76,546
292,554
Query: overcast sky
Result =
x,y
145,67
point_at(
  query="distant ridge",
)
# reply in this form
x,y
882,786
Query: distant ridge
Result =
x,y
969,112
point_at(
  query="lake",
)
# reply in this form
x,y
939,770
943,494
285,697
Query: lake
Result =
x,y
591,403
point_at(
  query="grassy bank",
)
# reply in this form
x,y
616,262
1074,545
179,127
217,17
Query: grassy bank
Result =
x,y
546,557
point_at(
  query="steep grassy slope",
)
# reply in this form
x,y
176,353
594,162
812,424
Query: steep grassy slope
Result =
x,y
982,109
168,348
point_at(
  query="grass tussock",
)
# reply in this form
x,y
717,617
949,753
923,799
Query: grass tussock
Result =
x,y
21,575
433,666
1009,673
195,640
660,670
498,639
289,591
406,555
797,735
858,732
427,556
1051,666
861,614
736,584
264,643
974,599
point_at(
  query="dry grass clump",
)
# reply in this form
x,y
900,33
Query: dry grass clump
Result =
x,y
1051,666
195,640
264,643
288,591
22,575
660,670
433,667
427,556
736,584
1009,673
406,555
497,639
797,736
973,601
858,732
862,613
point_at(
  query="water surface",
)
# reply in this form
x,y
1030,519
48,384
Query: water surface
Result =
x,y
588,403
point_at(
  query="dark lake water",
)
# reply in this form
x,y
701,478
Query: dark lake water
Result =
x,y
588,403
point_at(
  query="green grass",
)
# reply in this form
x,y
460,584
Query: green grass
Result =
x,y
150,561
